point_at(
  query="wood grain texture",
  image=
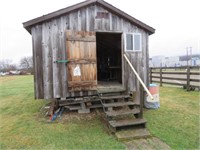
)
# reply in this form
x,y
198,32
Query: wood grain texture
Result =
x,y
38,61
55,56
51,42
82,54
47,61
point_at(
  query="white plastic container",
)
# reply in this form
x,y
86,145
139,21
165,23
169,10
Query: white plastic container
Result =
x,y
155,103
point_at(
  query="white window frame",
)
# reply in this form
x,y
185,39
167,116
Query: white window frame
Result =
x,y
133,50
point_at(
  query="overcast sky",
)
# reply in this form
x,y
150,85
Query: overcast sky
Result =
x,y
177,24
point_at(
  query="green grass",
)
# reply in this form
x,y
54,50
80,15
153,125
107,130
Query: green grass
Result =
x,y
21,126
176,122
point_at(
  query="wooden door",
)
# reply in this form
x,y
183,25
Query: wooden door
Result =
x,y
82,66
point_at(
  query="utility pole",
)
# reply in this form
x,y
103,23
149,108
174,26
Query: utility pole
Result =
x,y
187,55
190,56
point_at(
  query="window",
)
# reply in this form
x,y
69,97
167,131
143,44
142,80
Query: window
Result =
x,y
101,15
133,42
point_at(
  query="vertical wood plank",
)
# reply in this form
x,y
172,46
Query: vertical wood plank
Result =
x,y
114,22
55,56
83,19
91,17
64,25
147,59
87,18
122,58
37,61
74,21
47,61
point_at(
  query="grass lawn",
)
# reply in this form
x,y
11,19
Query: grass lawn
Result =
x,y
176,122
21,126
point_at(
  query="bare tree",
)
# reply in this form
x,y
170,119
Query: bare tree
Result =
x,y
27,63
6,66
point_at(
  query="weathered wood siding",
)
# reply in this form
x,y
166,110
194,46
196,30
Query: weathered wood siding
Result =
x,y
37,61
49,45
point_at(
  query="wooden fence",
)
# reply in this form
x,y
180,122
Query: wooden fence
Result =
x,y
188,77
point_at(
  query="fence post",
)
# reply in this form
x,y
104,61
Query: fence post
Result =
x,y
151,75
160,76
188,78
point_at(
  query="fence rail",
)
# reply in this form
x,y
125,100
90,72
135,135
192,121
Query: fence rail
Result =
x,y
188,77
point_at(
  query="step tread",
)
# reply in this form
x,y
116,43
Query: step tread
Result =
x,y
95,106
117,104
132,134
127,122
114,97
122,112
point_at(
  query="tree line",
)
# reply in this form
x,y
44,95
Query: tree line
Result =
x,y
25,64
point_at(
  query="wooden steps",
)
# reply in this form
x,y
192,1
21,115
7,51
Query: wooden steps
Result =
x,y
118,104
127,122
125,135
114,97
122,112
123,116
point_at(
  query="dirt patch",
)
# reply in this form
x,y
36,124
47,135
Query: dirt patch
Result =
x,y
66,116
74,116
152,143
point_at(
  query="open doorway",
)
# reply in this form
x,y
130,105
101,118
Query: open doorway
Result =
x,y
109,61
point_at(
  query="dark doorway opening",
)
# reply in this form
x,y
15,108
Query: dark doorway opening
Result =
x,y
109,59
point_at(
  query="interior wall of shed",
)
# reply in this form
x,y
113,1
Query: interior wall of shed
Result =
x,y
109,61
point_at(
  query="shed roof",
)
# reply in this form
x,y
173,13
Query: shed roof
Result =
x,y
27,25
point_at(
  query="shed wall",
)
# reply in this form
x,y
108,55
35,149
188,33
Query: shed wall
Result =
x,y
49,45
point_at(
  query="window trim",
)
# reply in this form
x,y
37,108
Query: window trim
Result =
x,y
140,44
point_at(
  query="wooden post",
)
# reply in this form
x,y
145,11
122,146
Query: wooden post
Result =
x,y
151,75
160,76
188,78
142,99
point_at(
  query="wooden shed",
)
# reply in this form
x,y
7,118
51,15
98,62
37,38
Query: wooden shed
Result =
x,y
79,48
79,52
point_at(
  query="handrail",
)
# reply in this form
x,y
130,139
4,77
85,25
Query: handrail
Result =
x,y
138,77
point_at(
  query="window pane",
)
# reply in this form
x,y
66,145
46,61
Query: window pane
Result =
x,y
137,42
129,42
